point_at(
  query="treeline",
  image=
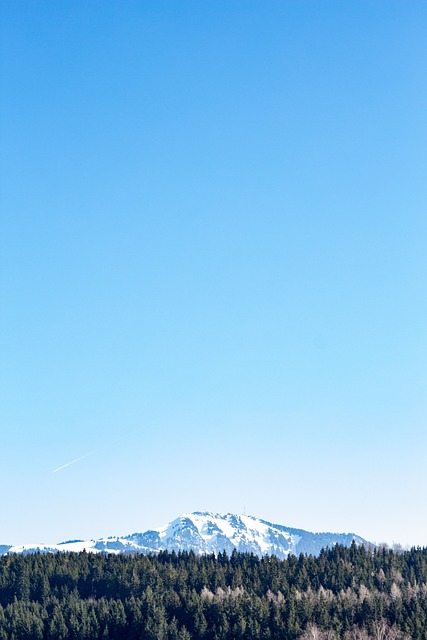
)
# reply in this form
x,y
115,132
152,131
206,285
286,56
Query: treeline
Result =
x,y
352,593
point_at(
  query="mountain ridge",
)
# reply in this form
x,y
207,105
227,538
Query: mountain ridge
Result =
x,y
205,532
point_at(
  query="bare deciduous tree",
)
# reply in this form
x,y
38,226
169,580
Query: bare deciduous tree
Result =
x,y
381,630
312,632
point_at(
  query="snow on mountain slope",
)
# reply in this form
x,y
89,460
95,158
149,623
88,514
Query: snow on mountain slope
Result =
x,y
212,533
204,532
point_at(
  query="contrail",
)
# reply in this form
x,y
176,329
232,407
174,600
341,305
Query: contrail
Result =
x,y
73,462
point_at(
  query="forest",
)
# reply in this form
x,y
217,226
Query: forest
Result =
x,y
345,593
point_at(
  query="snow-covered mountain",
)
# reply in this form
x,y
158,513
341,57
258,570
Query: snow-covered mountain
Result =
x,y
204,532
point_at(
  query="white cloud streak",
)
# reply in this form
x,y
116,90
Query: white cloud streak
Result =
x,y
73,462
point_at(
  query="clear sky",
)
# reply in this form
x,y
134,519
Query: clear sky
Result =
x,y
213,265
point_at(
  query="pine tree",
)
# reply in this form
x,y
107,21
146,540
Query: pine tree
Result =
x,y
57,629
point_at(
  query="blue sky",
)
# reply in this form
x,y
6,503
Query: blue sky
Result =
x,y
213,265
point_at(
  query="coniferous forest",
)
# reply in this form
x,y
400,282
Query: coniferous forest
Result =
x,y
354,593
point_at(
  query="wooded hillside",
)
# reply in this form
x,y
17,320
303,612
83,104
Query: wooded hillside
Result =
x,y
351,593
